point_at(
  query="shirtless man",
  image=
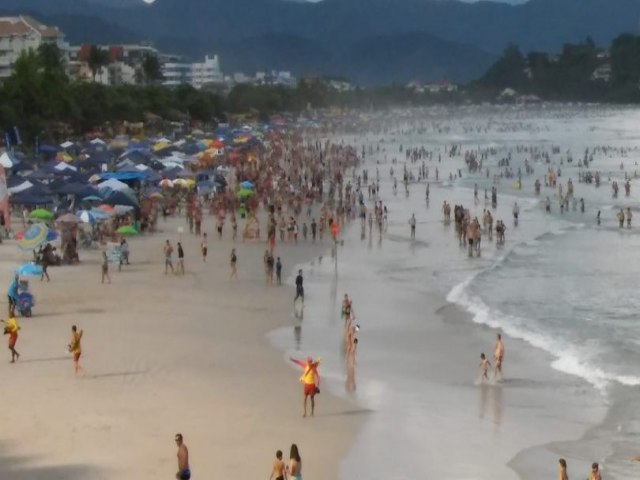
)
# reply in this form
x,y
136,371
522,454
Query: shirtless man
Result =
x,y
184,473
278,471
498,356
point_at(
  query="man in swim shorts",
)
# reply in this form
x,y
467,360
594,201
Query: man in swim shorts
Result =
x,y
184,473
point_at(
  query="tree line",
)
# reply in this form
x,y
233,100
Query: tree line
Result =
x,y
580,72
42,101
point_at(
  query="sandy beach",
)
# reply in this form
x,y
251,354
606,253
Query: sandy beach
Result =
x,y
163,354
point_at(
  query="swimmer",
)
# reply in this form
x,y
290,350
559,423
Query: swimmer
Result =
x,y
498,356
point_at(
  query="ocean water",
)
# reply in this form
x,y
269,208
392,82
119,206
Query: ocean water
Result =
x,y
561,284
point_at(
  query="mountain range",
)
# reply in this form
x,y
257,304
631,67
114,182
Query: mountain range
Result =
x,y
369,41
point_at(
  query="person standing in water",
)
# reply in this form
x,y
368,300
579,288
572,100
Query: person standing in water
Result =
x,y
562,470
412,223
299,288
485,365
75,348
498,356
184,472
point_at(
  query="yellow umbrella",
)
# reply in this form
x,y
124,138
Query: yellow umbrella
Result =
x,y
160,145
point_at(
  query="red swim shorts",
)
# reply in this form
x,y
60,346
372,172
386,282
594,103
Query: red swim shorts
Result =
x,y
13,338
310,389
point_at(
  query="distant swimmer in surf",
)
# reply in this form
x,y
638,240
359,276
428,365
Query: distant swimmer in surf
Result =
x,y
498,356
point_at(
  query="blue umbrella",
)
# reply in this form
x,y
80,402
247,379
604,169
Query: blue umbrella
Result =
x,y
29,270
52,236
246,184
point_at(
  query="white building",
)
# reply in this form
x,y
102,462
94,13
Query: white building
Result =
x,y
195,74
19,34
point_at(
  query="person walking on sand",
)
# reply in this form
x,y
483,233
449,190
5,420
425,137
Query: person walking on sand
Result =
x,y
485,365
310,380
168,263
75,348
498,356
412,222
180,266
279,271
278,469
203,247
562,470
11,328
233,262
184,472
294,469
105,267
299,288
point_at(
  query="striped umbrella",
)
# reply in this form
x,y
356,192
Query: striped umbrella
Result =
x,y
35,236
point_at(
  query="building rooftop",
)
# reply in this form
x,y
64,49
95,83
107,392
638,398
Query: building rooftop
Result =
x,y
23,25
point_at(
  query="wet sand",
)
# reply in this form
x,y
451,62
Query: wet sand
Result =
x,y
163,354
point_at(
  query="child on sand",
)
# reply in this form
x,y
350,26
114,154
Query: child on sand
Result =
x,y
485,365
278,468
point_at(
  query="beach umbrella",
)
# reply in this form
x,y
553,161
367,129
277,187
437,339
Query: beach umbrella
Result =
x,y
106,209
156,196
122,209
86,216
69,218
41,214
35,236
127,230
98,214
246,184
244,193
92,198
166,183
52,236
180,182
29,270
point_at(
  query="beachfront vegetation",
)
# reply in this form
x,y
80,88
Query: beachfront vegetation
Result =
x,y
580,72
40,99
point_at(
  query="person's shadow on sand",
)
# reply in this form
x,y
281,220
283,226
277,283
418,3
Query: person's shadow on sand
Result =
x,y
18,468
